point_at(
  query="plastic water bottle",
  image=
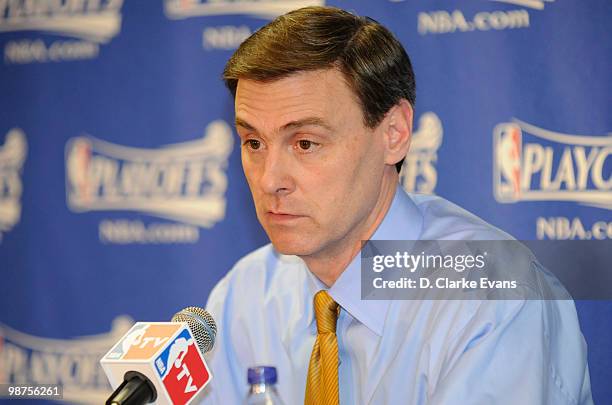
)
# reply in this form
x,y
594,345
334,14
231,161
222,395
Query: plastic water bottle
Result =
x,y
263,390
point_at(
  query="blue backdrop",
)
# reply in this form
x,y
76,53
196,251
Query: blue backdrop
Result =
x,y
121,191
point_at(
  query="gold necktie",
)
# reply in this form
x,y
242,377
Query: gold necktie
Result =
x,y
322,381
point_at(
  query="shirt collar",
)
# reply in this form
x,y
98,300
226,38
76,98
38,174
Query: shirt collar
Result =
x,y
403,221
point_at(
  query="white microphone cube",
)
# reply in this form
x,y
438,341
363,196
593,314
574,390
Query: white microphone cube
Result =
x,y
167,354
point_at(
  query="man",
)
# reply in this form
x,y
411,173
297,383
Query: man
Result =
x,y
324,107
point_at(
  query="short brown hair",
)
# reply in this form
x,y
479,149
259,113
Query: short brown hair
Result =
x,y
373,62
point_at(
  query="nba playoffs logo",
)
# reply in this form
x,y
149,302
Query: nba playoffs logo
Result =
x,y
12,157
179,9
71,363
89,22
93,20
535,164
181,369
185,182
419,173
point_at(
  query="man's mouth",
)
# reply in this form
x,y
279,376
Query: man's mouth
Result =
x,y
282,217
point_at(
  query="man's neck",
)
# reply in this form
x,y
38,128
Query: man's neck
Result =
x,y
329,266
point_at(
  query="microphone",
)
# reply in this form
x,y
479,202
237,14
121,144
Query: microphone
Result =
x,y
161,362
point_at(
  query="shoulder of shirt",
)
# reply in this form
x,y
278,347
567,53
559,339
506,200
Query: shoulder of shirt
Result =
x,y
443,219
255,273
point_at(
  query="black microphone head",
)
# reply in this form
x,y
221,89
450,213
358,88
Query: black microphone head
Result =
x,y
201,324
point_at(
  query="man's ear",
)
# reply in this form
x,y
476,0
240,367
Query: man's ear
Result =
x,y
398,132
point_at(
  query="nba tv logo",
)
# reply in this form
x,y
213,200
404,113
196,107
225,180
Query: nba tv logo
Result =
x,y
536,164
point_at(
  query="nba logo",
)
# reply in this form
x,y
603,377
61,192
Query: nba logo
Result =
x,y
182,369
78,170
507,147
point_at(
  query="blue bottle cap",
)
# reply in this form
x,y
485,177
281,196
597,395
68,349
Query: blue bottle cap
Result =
x,y
262,375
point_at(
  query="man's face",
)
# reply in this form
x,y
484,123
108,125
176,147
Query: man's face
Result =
x,y
314,169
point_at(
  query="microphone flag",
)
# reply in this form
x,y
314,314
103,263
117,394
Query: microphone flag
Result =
x,y
167,354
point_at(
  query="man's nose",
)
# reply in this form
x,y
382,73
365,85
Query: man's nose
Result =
x,y
276,177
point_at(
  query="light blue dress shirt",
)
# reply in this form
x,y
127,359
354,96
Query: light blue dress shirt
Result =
x,y
396,352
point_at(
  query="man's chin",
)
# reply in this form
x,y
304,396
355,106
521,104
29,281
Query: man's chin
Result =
x,y
292,247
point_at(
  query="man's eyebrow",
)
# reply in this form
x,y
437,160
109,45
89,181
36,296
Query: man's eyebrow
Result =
x,y
242,123
309,121
313,121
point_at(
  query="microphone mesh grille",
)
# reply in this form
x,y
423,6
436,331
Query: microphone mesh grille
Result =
x,y
201,324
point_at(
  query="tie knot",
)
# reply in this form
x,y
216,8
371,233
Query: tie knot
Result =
x,y
326,312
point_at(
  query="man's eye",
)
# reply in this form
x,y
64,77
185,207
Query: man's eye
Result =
x,y
305,144
253,144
